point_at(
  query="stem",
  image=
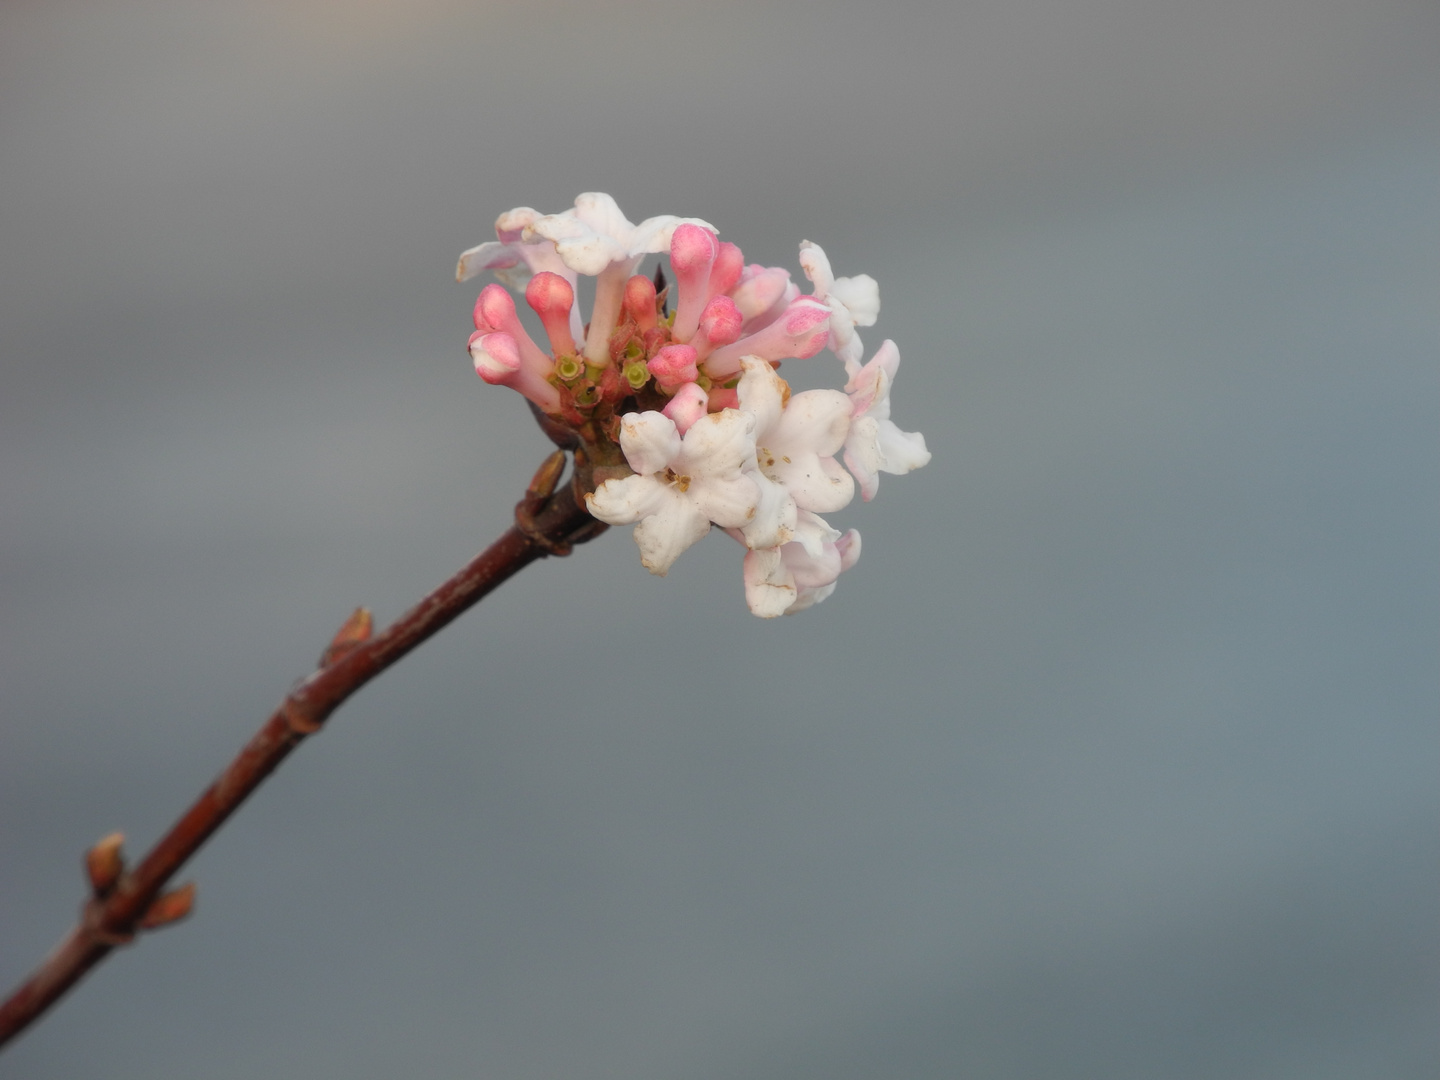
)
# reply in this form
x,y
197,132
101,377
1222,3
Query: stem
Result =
x,y
547,522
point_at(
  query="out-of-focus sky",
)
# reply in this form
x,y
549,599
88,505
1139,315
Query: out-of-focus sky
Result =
x,y
1114,757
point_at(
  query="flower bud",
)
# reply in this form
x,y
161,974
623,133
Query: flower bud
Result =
x,y
801,331
692,254
640,302
674,366
689,404
552,297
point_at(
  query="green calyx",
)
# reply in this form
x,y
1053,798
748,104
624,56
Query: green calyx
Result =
x,y
637,374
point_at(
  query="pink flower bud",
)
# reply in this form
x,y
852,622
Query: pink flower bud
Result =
x,y
498,361
759,289
720,324
496,356
801,331
725,274
673,367
493,308
640,302
688,405
551,296
495,313
692,254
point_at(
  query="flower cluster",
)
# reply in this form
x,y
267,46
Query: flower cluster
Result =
x,y
682,415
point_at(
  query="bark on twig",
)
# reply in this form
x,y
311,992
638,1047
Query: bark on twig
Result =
x,y
124,901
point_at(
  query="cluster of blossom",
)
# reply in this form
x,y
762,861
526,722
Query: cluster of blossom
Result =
x,y
683,413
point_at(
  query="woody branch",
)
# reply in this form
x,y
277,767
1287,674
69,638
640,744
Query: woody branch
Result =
x,y
123,902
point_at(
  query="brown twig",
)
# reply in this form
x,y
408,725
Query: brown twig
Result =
x,y
547,522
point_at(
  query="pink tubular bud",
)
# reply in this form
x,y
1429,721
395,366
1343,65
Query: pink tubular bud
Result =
x,y
496,356
498,361
725,274
551,296
800,331
720,324
495,313
689,404
674,366
692,254
640,302
759,289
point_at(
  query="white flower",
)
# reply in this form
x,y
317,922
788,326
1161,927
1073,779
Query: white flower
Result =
x,y
691,397
853,301
797,436
875,444
792,577
682,484
595,238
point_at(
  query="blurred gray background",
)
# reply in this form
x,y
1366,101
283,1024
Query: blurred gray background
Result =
x,y
1114,757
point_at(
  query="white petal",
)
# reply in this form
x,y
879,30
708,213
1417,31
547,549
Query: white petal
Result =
x,y
871,383
900,451
816,420
812,534
600,211
816,265
579,246
730,501
762,393
626,500
860,295
486,256
818,484
663,536
510,226
653,235
769,589
650,441
721,444
808,598
862,455
773,522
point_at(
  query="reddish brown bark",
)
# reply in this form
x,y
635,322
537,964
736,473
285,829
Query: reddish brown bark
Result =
x,y
123,902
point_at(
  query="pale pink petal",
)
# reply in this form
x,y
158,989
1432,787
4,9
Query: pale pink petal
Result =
x,y
759,289
488,256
